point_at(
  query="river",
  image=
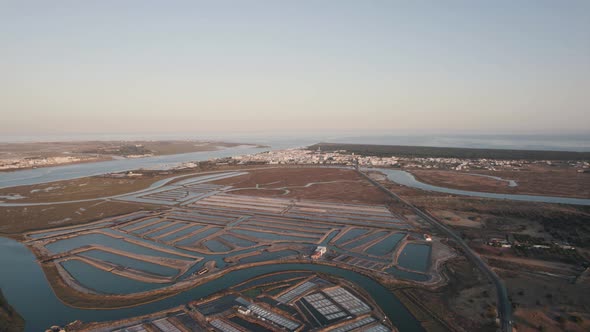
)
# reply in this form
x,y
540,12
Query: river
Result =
x,y
68,172
26,288
407,179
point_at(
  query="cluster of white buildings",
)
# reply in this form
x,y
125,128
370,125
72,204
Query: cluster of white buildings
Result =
x,y
308,157
509,243
18,163
459,164
303,157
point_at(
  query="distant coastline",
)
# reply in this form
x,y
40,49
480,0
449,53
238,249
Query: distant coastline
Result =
x,y
22,156
450,152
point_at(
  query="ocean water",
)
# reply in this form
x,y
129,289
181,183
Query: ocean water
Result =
x,y
42,175
579,142
559,142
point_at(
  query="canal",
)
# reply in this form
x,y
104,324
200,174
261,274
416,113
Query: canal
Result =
x,y
26,288
407,179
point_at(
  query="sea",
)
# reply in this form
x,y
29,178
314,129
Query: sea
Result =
x,y
559,142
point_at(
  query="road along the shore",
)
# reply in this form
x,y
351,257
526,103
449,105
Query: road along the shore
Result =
x,y
504,306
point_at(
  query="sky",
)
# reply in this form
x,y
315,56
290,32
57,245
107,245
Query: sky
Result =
x,y
294,66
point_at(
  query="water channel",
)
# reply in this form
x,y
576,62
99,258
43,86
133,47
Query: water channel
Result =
x,y
68,172
407,179
26,288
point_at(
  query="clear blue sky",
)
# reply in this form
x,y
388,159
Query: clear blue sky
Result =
x,y
217,66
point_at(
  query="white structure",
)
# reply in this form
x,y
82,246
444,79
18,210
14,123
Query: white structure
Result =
x,y
319,252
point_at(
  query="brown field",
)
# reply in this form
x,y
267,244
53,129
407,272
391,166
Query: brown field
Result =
x,y
51,149
82,188
534,180
554,222
539,282
175,147
541,300
458,219
342,186
465,303
94,151
330,184
41,149
534,320
17,220
288,176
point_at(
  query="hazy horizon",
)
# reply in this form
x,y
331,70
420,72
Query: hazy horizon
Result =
x,y
572,142
211,68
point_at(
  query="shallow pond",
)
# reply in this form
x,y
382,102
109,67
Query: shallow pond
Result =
x,y
35,301
351,234
408,275
131,262
100,239
237,241
183,232
386,245
138,224
364,240
415,257
195,238
216,246
166,230
152,227
103,281
271,236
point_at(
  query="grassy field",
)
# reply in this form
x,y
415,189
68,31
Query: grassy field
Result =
x,y
17,220
95,151
539,281
82,188
118,148
534,180
329,184
444,152
154,147
460,305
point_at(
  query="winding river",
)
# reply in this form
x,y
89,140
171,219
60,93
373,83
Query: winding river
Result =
x,y
407,179
26,288
68,172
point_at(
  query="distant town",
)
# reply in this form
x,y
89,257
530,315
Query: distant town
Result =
x,y
17,156
303,156
235,235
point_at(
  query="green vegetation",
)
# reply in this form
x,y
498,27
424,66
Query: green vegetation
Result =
x,y
119,150
567,225
563,223
17,220
444,152
10,320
